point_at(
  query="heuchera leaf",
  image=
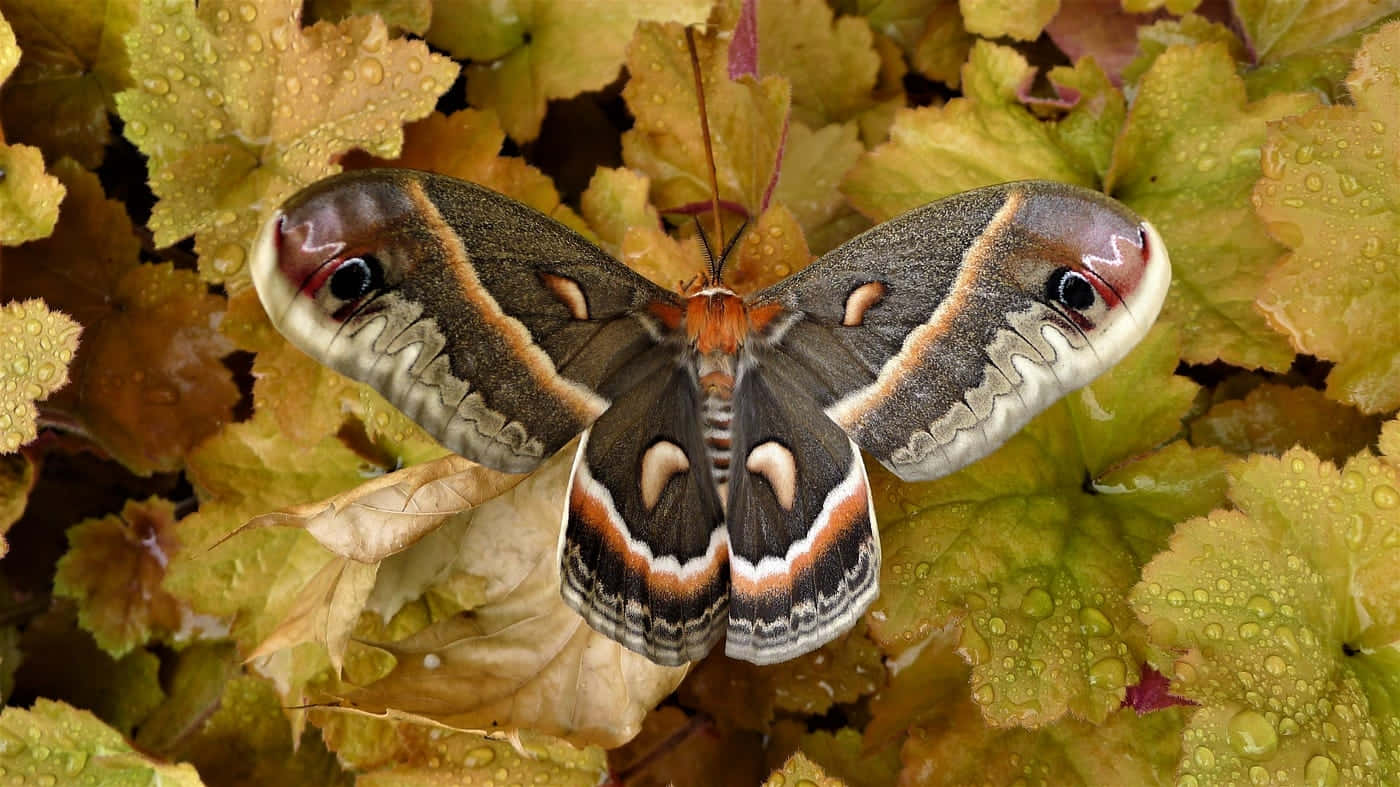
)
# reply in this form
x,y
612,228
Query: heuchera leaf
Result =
x,y
1036,547
680,750
997,18
800,770
148,382
949,742
1101,29
28,197
1189,30
74,62
61,662
1273,418
410,16
1285,614
247,740
1186,160
748,123
467,145
813,165
526,52
1275,29
438,758
55,743
1330,194
113,569
245,470
36,346
16,481
830,63
985,137
237,106
930,32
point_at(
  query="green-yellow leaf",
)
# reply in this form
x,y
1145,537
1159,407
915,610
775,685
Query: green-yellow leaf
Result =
x,y
831,63
29,197
237,106
1186,160
526,52
36,346
148,380
1285,614
985,137
996,18
1273,418
74,63
113,570
438,759
748,122
55,743
1331,195
1276,29
1036,547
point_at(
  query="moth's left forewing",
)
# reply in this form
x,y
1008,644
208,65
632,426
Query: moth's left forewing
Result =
x,y
934,337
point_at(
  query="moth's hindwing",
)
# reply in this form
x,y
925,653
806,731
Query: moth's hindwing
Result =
x,y
496,328
932,338
805,557
644,548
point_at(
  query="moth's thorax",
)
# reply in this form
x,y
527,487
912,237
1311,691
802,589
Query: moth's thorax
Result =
x,y
719,321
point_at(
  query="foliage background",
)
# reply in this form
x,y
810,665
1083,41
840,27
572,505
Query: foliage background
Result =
x,y
1186,573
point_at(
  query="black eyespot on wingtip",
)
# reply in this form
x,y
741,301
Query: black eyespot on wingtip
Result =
x,y
1070,288
357,277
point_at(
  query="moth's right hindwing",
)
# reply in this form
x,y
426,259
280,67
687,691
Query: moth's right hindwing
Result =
x,y
499,330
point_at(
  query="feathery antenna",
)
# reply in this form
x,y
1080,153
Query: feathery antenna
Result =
x,y
715,265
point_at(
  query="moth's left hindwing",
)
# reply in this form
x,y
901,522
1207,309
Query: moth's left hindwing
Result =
x,y
500,331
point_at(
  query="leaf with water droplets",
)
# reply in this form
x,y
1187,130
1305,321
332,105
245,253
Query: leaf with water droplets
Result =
x,y
1273,418
237,106
113,570
74,63
428,756
244,470
29,197
813,164
1275,29
1284,616
246,739
1186,160
410,16
831,63
1330,194
526,53
799,770
55,743
844,755
467,145
1004,18
36,347
1035,547
987,136
947,740
748,120
148,379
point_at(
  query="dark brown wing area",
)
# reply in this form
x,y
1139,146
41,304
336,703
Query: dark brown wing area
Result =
x,y
498,329
644,555
804,555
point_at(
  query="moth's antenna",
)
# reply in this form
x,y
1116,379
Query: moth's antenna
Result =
x,y
709,157
707,248
728,247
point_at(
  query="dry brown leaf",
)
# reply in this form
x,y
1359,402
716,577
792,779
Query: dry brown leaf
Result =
x,y
390,513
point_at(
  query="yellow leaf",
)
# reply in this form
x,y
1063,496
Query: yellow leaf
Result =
x,y
36,346
526,52
237,106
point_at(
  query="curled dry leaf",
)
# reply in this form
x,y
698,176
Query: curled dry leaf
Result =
x,y
390,513
520,660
